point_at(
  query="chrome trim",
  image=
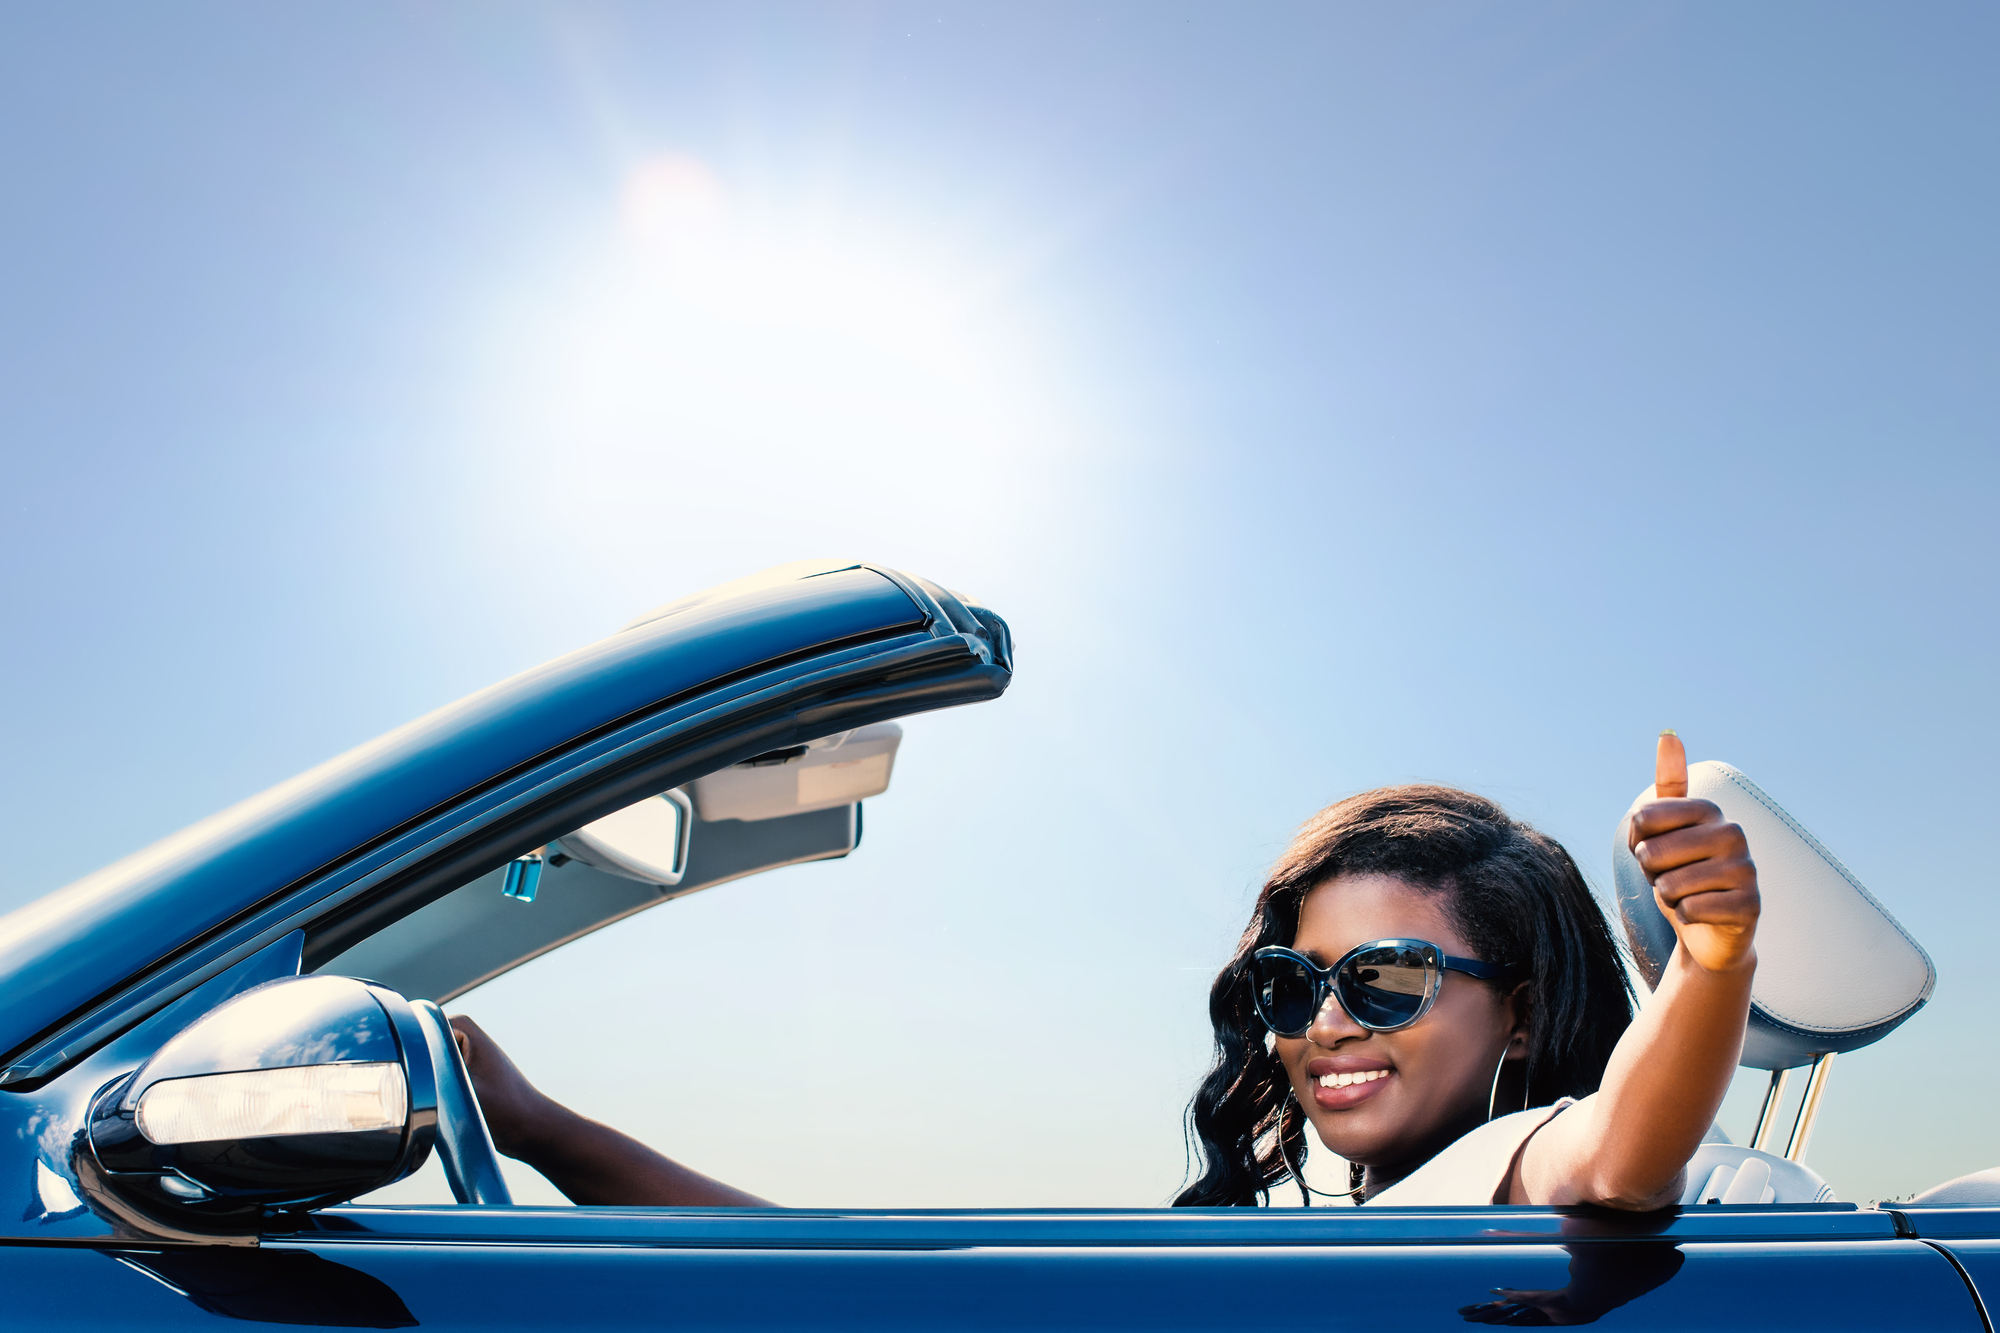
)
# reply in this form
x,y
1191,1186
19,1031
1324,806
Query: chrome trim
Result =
x,y
1042,1229
1802,1128
1767,1119
420,1129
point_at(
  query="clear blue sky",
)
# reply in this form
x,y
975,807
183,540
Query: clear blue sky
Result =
x,y
1329,394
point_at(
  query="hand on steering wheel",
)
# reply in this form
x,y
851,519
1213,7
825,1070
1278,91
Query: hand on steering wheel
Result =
x,y
516,1111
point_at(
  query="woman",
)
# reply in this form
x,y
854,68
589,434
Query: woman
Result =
x,y
1418,966
1431,986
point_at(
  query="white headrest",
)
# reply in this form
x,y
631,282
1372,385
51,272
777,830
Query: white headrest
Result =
x,y
1834,970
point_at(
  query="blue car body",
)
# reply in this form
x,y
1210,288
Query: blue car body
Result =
x,y
97,976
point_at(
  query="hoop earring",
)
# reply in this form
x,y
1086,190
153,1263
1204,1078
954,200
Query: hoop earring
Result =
x,y
1354,1170
1493,1094
1527,1081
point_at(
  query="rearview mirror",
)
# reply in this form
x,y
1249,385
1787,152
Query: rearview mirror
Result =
x,y
299,1093
646,841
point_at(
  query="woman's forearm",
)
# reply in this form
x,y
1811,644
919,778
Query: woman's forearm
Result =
x,y
1627,1144
593,1163
1663,1085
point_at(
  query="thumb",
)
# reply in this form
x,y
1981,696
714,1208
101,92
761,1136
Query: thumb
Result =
x,y
1670,767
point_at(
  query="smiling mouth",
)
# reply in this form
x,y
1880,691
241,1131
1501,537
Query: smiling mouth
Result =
x,y
1348,1080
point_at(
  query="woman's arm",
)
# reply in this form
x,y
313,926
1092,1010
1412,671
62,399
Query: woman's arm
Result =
x,y
1628,1144
588,1161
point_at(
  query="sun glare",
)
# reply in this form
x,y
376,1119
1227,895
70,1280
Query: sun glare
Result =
x,y
751,361
688,253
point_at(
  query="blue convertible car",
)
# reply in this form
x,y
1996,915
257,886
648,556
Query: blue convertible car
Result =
x,y
211,1049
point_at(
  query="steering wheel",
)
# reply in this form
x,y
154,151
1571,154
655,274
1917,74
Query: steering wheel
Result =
x,y
464,1145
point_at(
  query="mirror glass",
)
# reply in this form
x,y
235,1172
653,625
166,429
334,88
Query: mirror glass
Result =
x,y
645,841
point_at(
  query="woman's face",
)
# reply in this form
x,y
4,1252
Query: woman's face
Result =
x,y
1431,1079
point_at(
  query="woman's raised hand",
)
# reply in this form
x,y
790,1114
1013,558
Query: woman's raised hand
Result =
x,y
1628,1144
1699,867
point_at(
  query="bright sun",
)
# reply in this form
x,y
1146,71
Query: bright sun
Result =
x,y
750,362
689,254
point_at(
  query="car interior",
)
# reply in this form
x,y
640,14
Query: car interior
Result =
x,y
778,809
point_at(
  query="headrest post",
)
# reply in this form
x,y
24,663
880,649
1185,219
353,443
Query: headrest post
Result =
x,y
1767,1119
1802,1128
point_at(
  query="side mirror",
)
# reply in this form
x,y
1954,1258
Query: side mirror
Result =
x,y
299,1093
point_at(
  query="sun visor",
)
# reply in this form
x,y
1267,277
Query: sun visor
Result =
x,y
1834,970
834,770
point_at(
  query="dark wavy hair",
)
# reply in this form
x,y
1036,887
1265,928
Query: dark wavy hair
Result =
x,y
1516,896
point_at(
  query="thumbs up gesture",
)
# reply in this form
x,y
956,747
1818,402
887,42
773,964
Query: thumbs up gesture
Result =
x,y
1699,867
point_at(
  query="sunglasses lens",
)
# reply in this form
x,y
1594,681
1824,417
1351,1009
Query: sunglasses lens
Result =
x,y
1386,988
1284,995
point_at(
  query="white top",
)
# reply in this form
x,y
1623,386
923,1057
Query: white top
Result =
x,y
1475,1168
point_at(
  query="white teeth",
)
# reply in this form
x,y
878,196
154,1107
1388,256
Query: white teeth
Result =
x,y
1348,1080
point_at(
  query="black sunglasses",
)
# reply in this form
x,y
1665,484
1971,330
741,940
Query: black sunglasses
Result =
x,y
1383,984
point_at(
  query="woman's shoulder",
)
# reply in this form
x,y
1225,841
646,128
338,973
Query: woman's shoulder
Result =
x,y
1473,1169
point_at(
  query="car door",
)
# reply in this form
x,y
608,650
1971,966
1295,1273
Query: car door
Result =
x,y
1827,1267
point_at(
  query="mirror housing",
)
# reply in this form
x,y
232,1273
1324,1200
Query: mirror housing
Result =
x,y
298,1093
